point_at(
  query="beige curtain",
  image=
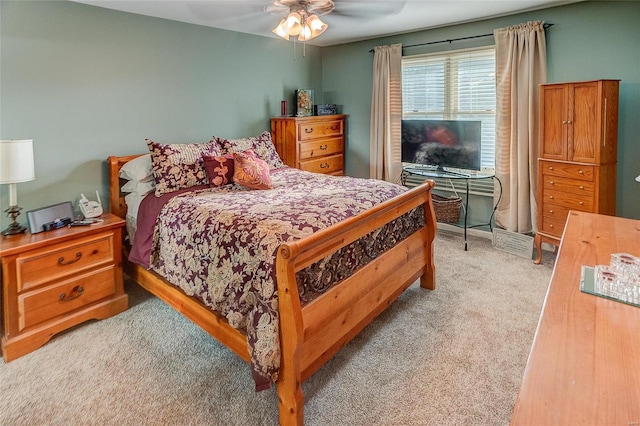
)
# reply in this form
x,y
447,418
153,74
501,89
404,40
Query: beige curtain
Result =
x,y
386,114
521,66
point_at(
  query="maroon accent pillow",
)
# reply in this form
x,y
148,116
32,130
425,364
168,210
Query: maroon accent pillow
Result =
x,y
177,166
251,171
219,168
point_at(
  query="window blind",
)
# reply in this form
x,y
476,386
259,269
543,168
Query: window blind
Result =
x,y
454,85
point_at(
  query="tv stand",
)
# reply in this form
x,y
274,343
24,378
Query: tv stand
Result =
x,y
444,171
441,172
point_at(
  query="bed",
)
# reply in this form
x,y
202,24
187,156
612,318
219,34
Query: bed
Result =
x,y
311,333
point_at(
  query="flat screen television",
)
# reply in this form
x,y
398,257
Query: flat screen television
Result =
x,y
442,144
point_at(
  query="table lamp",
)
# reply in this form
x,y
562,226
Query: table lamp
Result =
x,y
16,165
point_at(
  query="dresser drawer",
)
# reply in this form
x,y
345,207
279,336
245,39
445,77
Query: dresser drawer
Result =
x,y
555,211
331,164
314,149
307,131
38,267
572,201
42,304
580,187
553,226
570,171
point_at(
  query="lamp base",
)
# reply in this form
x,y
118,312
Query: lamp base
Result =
x,y
14,228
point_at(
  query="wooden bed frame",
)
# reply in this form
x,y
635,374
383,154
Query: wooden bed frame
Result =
x,y
312,334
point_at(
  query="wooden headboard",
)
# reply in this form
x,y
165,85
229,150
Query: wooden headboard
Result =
x,y
117,205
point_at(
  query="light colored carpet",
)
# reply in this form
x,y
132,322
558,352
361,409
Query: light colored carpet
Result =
x,y
448,357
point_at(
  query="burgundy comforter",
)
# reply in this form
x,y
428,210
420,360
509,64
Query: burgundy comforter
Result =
x,y
219,245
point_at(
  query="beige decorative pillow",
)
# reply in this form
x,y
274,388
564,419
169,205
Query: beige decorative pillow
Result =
x,y
262,146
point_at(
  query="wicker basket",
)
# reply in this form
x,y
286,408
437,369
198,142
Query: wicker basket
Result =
x,y
447,209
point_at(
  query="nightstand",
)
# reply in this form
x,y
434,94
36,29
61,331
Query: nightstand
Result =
x,y
56,279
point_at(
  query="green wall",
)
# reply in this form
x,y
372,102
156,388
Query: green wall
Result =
x,y
589,40
85,82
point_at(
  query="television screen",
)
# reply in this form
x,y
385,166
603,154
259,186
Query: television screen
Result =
x,y
442,143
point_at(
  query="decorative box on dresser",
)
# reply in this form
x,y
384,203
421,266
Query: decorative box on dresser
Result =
x,y
56,279
578,154
314,144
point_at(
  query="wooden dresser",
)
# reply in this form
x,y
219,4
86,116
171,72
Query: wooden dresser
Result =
x,y
584,365
314,144
57,279
578,151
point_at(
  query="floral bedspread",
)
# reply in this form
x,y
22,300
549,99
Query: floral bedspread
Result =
x,y
219,245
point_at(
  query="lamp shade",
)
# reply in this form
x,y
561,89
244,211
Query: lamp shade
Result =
x,y
16,161
638,178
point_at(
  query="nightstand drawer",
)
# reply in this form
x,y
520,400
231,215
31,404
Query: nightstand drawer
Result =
x,y
58,261
45,303
320,148
332,164
319,130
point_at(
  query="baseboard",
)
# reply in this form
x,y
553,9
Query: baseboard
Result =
x,y
482,234
470,231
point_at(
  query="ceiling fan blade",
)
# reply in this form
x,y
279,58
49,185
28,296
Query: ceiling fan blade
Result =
x,y
368,8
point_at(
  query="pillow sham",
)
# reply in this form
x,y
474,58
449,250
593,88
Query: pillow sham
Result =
x,y
262,146
139,187
220,169
178,166
137,169
251,171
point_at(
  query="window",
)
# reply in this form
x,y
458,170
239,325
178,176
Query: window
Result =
x,y
454,85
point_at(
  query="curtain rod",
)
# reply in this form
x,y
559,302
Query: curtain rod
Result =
x,y
545,26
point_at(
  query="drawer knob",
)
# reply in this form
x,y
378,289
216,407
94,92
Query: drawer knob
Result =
x,y
551,211
581,203
581,187
324,165
551,182
62,262
75,293
336,127
580,172
550,167
308,130
551,196
324,147
550,226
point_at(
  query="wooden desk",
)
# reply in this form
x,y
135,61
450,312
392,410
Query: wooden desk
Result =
x,y
584,366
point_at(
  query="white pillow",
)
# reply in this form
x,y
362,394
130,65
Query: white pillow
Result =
x,y
139,169
139,187
133,201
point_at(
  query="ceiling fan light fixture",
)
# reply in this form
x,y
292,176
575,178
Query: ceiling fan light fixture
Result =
x,y
280,30
302,20
294,23
316,25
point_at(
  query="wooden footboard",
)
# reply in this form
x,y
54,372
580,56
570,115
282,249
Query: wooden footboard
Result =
x,y
311,335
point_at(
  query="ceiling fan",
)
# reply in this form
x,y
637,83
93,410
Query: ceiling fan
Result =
x,y
303,18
